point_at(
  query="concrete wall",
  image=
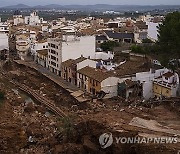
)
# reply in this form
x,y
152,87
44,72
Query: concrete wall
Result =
x,y
4,41
58,55
18,20
146,78
85,63
38,46
152,30
85,46
110,86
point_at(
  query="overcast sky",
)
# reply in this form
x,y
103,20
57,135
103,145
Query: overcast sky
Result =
x,y
83,2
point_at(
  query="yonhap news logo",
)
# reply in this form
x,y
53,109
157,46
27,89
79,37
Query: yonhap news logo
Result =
x,y
106,140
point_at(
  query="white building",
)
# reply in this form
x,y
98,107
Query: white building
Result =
x,y
74,47
55,55
4,41
36,46
33,19
146,78
70,47
110,87
152,31
86,62
4,28
18,19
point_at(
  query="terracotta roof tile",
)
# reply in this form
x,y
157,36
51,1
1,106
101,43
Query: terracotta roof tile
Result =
x,y
95,74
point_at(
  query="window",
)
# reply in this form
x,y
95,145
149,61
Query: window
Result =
x,y
43,46
167,91
53,52
52,57
93,83
53,63
53,45
166,78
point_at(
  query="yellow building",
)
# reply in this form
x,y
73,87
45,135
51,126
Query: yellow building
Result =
x,y
166,85
97,82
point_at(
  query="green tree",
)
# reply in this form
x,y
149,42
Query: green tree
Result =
x,y
169,35
66,126
108,46
147,41
137,49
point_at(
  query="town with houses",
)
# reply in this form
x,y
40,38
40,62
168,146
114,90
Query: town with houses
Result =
x,y
64,60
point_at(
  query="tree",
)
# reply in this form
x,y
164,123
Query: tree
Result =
x,y
108,46
66,126
169,35
137,49
147,41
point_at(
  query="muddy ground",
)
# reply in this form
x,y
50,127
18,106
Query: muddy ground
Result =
x,y
27,128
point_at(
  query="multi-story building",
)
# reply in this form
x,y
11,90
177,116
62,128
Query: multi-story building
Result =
x,y
22,45
141,31
42,57
36,46
68,47
166,85
70,67
54,55
33,19
17,18
97,82
4,28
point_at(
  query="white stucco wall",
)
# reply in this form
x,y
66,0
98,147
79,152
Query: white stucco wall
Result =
x,y
109,86
18,20
74,49
38,46
4,41
103,55
152,30
85,63
146,78
57,55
